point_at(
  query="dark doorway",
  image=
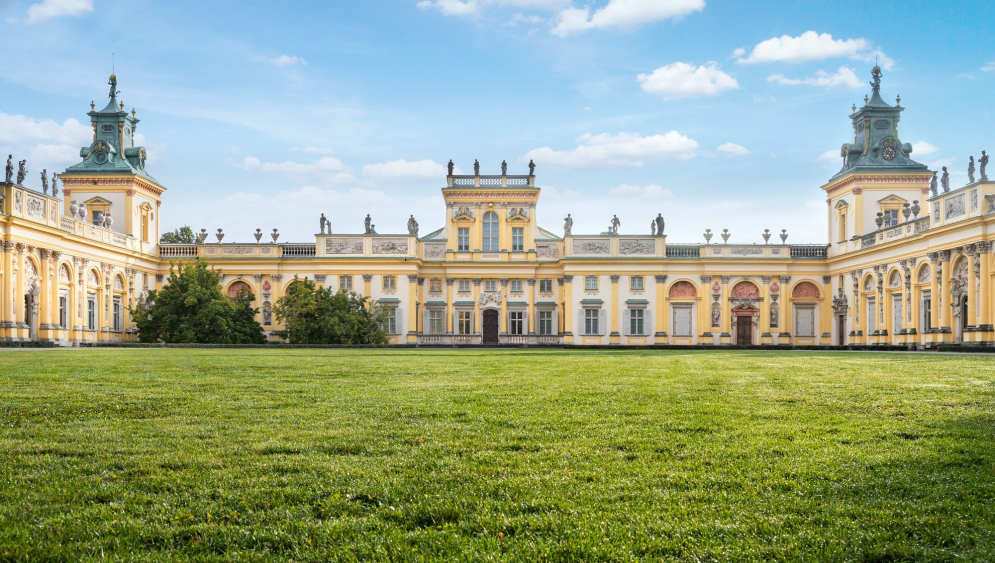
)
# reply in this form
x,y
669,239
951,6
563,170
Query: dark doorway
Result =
x,y
964,321
841,330
744,330
490,326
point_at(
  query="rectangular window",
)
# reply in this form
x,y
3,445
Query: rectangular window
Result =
x,y
390,283
91,313
464,286
927,312
463,239
464,321
516,322
545,286
872,315
591,321
390,321
636,283
63,309
435,285
517,238
490,286
516,286
843,226
636,321
591,283
117,320
345,283
890,218
435,324
545,322
145,280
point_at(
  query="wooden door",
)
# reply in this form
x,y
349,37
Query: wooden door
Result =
x,y
744,330
682,321
490,325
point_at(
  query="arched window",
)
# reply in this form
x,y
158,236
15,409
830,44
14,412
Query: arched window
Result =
x,y
235,288
491,243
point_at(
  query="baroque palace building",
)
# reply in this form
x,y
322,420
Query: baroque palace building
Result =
x,y
906,263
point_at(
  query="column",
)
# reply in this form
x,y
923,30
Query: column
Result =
x,y
319,280
478,320
787,312
705,310
532,309
276,291
825,311
20,331
45,296
945,310
613,336
855,329
765,335
503,320
6,279
912,316
985,312
934,296
368,285
450,329
725,337
972,295
412,310
566,284
660,310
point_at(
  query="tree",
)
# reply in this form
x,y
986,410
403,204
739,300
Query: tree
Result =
x,y
314,315
191,308
183,235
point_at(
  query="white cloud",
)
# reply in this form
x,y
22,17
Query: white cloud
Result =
x,y
832,155
652,191
20,130
470,8
683,80
812,46
48,9
623,14
732,149
474,8
843,77
923,148
739,52
549,193
522,18
328,168
282,60
316,150
627,150
990,67
407,170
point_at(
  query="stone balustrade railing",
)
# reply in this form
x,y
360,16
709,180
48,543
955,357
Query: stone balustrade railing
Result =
x,y
683,251
491,181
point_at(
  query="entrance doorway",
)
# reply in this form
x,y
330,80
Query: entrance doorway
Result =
x,y
744,330
841,330
490,326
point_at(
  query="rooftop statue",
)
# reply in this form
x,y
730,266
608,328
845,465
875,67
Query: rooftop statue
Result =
x,y
983,162
504,167
323,223
659,224
113,84
945,180
653,227
568,225
44,180
615,224
476,167
22,172
412,226
970,170
451,167
9,175
55,185
932,185
532,168
366,223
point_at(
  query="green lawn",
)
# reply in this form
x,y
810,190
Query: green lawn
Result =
x,y
312,455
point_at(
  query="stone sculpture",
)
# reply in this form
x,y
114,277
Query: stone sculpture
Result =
x,y
659,224
476,167
9,171
366,224
258,234
932,186
766,235
774,317
568,225
44,180
108,220
451,165
22,171
532,168
982,163
412,226
55,185
716,316
504,167
220,236
276,235
202,236
945,180
653,228
73,209
82,211
970,170
322,223
615,224
725,236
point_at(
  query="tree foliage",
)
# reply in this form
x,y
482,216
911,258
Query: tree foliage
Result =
x,y
192,308
315,315
183,235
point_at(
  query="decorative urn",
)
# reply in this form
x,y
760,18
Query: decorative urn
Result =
x,y
108,220
766,235
784,236
725,236
276,235
258,234
82,211
879,220
73,208
915,208
906,211
202,236
708,235
220,236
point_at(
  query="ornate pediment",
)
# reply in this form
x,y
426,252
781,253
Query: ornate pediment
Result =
x,y
518,214
463,213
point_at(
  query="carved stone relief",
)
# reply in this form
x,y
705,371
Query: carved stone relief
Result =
x,y
869,283
746,250
683,289
18,199
805,290
237,250
954,207
435,251
638,246
91,278
547,251
343,246
592,247
36,208
744,290
895,280
393,246
64,274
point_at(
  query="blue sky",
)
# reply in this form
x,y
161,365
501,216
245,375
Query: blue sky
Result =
x,y
718,114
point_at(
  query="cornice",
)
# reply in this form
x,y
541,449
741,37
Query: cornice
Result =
x,y
478,193
871,178
74,180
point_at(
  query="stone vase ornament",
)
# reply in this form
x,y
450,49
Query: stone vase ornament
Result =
x,y
73,209
220,236
276,235
108,220
906,211
766,235
879,220
708,235
784,236
202,235
258,234
98,218
915,209
725,236
82,211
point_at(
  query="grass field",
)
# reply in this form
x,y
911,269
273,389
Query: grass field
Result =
x,y
312,455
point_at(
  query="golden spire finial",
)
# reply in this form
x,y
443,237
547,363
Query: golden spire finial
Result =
x,y
122,106
854,108
132,112
92,105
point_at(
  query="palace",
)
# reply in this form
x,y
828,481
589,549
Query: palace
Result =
x,y
905,263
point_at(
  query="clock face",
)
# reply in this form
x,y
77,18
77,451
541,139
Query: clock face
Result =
x,y
888,153
100,157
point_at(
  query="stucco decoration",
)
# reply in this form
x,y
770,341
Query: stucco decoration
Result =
x,y
490,298
923,275
592,247
237,250
435,251
839,302
895,280
118,283
64,274
960,270
343,246
638,246
547,251
869,283
683,289
954,207
974,200
392,246
91,278
746,250
805,290
36,208
18,198
744,290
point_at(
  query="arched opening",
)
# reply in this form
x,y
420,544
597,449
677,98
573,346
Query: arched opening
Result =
x,y
491,240
490,326
238,287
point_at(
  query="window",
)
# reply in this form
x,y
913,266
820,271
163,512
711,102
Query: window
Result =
x,y
872,315
517,239
464,286
545,286
116,319
91,312
435,285
390,283
390,321
591,283
545,322
516,322
890,218
435,325
591,321
636,321
927,312
63,309
843,225
345,283
463,239
464,322
490,286
145,281
516,286
491,232
636,283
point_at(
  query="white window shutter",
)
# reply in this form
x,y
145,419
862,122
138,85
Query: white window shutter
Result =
x,y
556,321
455,321
425,328
602,316
399,316
626,322
525,323
580,322
648,322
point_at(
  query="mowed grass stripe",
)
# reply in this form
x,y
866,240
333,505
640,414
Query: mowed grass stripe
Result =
x,y
312,455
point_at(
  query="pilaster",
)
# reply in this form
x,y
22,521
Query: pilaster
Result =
x,y
944,273
765,336
705,334
726,322
985,319
412,309
531,314
972,295
503,320
367,285
661,310
450,329
613,337
566,283
934,296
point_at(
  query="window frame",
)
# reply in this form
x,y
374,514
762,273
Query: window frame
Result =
x,y
546,283
490,233
588,283
435,285
464,322
390,320
490,286
517,239
436,316
637,318
463,239
632,283
545,322
464,286
516,323
345,283
516,286
591,318
389,282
